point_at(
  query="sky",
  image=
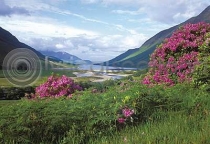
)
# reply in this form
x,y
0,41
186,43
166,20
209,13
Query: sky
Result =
x,y
96,30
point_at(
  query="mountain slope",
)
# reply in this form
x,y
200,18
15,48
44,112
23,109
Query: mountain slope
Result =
x,y
126,54
140,58
66,57
8,42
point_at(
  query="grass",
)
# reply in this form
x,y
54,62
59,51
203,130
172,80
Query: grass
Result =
x,y
8,102
175,129
44,74
141,50
4,82
176,115
69,73
1,74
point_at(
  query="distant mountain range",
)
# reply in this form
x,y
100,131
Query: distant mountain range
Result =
x,y
9,42
65,57
139,57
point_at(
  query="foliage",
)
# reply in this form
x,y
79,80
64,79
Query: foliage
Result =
x,y
140,72
48,72
90,116
105,85
57,86
201,75
175,59
178,114
14,93
85,84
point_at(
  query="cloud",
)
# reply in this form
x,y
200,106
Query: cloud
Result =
x,y
120,2
47,33
5,10
40,5
166,11
41,27
89,1
127,12
85,47
55,2
71,30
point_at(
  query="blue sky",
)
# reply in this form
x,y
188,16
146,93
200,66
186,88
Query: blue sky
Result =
x,y
96,30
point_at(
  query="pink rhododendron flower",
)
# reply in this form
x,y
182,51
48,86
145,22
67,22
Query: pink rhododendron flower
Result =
x,y
175,59
57,86
127,112
121,120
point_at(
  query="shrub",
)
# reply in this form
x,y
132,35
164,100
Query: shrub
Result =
x,y
175,59
139,73
89,116
14,93
57,86
85,84
201,75
105,85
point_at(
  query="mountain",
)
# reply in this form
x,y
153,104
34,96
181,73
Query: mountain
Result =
x,y
88,61
52,58
139,57
8,42
64,56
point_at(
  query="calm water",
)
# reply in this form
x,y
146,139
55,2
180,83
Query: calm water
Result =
x,y
105,74
99,68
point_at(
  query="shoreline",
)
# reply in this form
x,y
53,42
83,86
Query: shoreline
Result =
x,y
102,76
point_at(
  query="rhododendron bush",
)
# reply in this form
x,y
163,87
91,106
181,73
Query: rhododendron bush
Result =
x,y
175,59
202,72
57,86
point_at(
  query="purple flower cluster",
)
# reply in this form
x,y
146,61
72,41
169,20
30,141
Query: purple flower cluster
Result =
x,y
57,86
126,114
175,59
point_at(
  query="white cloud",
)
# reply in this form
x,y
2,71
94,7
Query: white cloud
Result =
x,y
165,11
60,46
40,27
89,1
127,12
6,10
48,33
120,2
85,47
39,5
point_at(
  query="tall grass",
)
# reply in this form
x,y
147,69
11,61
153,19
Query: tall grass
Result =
x,y
179,114
177,128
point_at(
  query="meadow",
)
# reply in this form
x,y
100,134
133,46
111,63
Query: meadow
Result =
x,y
44,75
47,70
178,114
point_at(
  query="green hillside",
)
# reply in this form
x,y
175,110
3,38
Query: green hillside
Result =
x,y
140,57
